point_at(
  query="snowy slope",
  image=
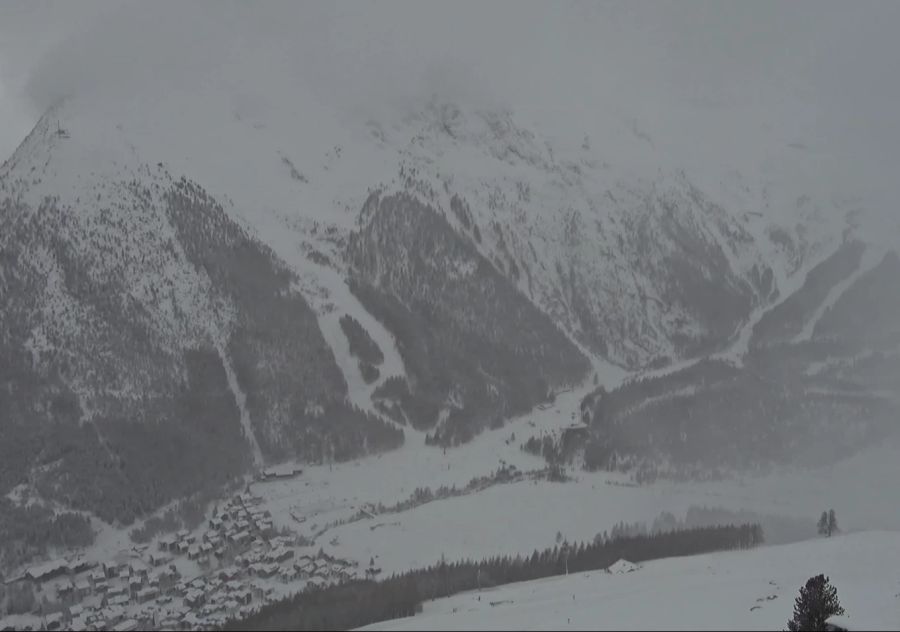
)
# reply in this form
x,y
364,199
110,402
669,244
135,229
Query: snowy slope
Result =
x,y
749,590
640,256
559,220
520,517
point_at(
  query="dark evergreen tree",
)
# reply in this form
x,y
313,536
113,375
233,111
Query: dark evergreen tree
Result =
x,y
823,523
817,601
832,523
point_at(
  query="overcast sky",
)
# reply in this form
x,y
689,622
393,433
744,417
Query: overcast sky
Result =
x,y
825,69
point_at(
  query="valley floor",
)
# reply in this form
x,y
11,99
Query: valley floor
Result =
x,y
743,590
336,508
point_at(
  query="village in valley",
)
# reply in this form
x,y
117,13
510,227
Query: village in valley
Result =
x,y
235,563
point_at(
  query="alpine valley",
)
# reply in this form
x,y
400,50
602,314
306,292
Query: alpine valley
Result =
x,y
195,288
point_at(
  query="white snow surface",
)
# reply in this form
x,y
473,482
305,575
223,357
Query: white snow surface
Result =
x,y
740,590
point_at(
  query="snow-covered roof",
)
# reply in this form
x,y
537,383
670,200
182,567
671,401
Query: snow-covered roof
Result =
x,y
49,568
623,566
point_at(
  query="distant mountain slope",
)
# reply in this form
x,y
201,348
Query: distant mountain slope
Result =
x,y
785,321
790,402
123,315
169,263
476,351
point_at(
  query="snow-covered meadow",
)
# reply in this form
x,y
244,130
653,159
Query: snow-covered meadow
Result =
x,y
746,590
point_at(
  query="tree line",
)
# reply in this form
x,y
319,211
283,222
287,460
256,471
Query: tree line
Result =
x,y
359,603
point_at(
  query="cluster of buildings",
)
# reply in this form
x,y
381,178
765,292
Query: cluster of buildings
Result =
x,y
186,581
238,524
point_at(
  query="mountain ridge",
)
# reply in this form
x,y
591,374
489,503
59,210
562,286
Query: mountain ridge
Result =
x,y
107,242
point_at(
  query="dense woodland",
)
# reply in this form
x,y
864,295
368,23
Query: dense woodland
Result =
x,y
499,355
352,605
788,318
125,386
801,402
362,346
31,532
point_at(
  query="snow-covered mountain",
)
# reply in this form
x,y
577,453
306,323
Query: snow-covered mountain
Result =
x,y
175,249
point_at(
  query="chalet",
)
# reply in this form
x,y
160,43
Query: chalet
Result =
x,y
206,548
169,574
138,568
78,624
135,584
113,615
622,566
268,570
97,576
80,565
194,598
249,500
53,621
126,626
243,597
101,587
229,574
147,594
288,574
76,610
117,591
198,582
47,571
120,601
182,547
280,555
260,590
66,589
316,582
215,524
82,588
168,543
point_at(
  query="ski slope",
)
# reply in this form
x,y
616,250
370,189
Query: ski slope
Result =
x,y
742,590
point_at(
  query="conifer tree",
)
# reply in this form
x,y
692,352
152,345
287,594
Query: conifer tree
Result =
x,y
823,524
817,601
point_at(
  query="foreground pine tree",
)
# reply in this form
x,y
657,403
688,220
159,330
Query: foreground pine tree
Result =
x,y
818,600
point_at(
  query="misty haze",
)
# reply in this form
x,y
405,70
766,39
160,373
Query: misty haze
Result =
x,y
449,315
